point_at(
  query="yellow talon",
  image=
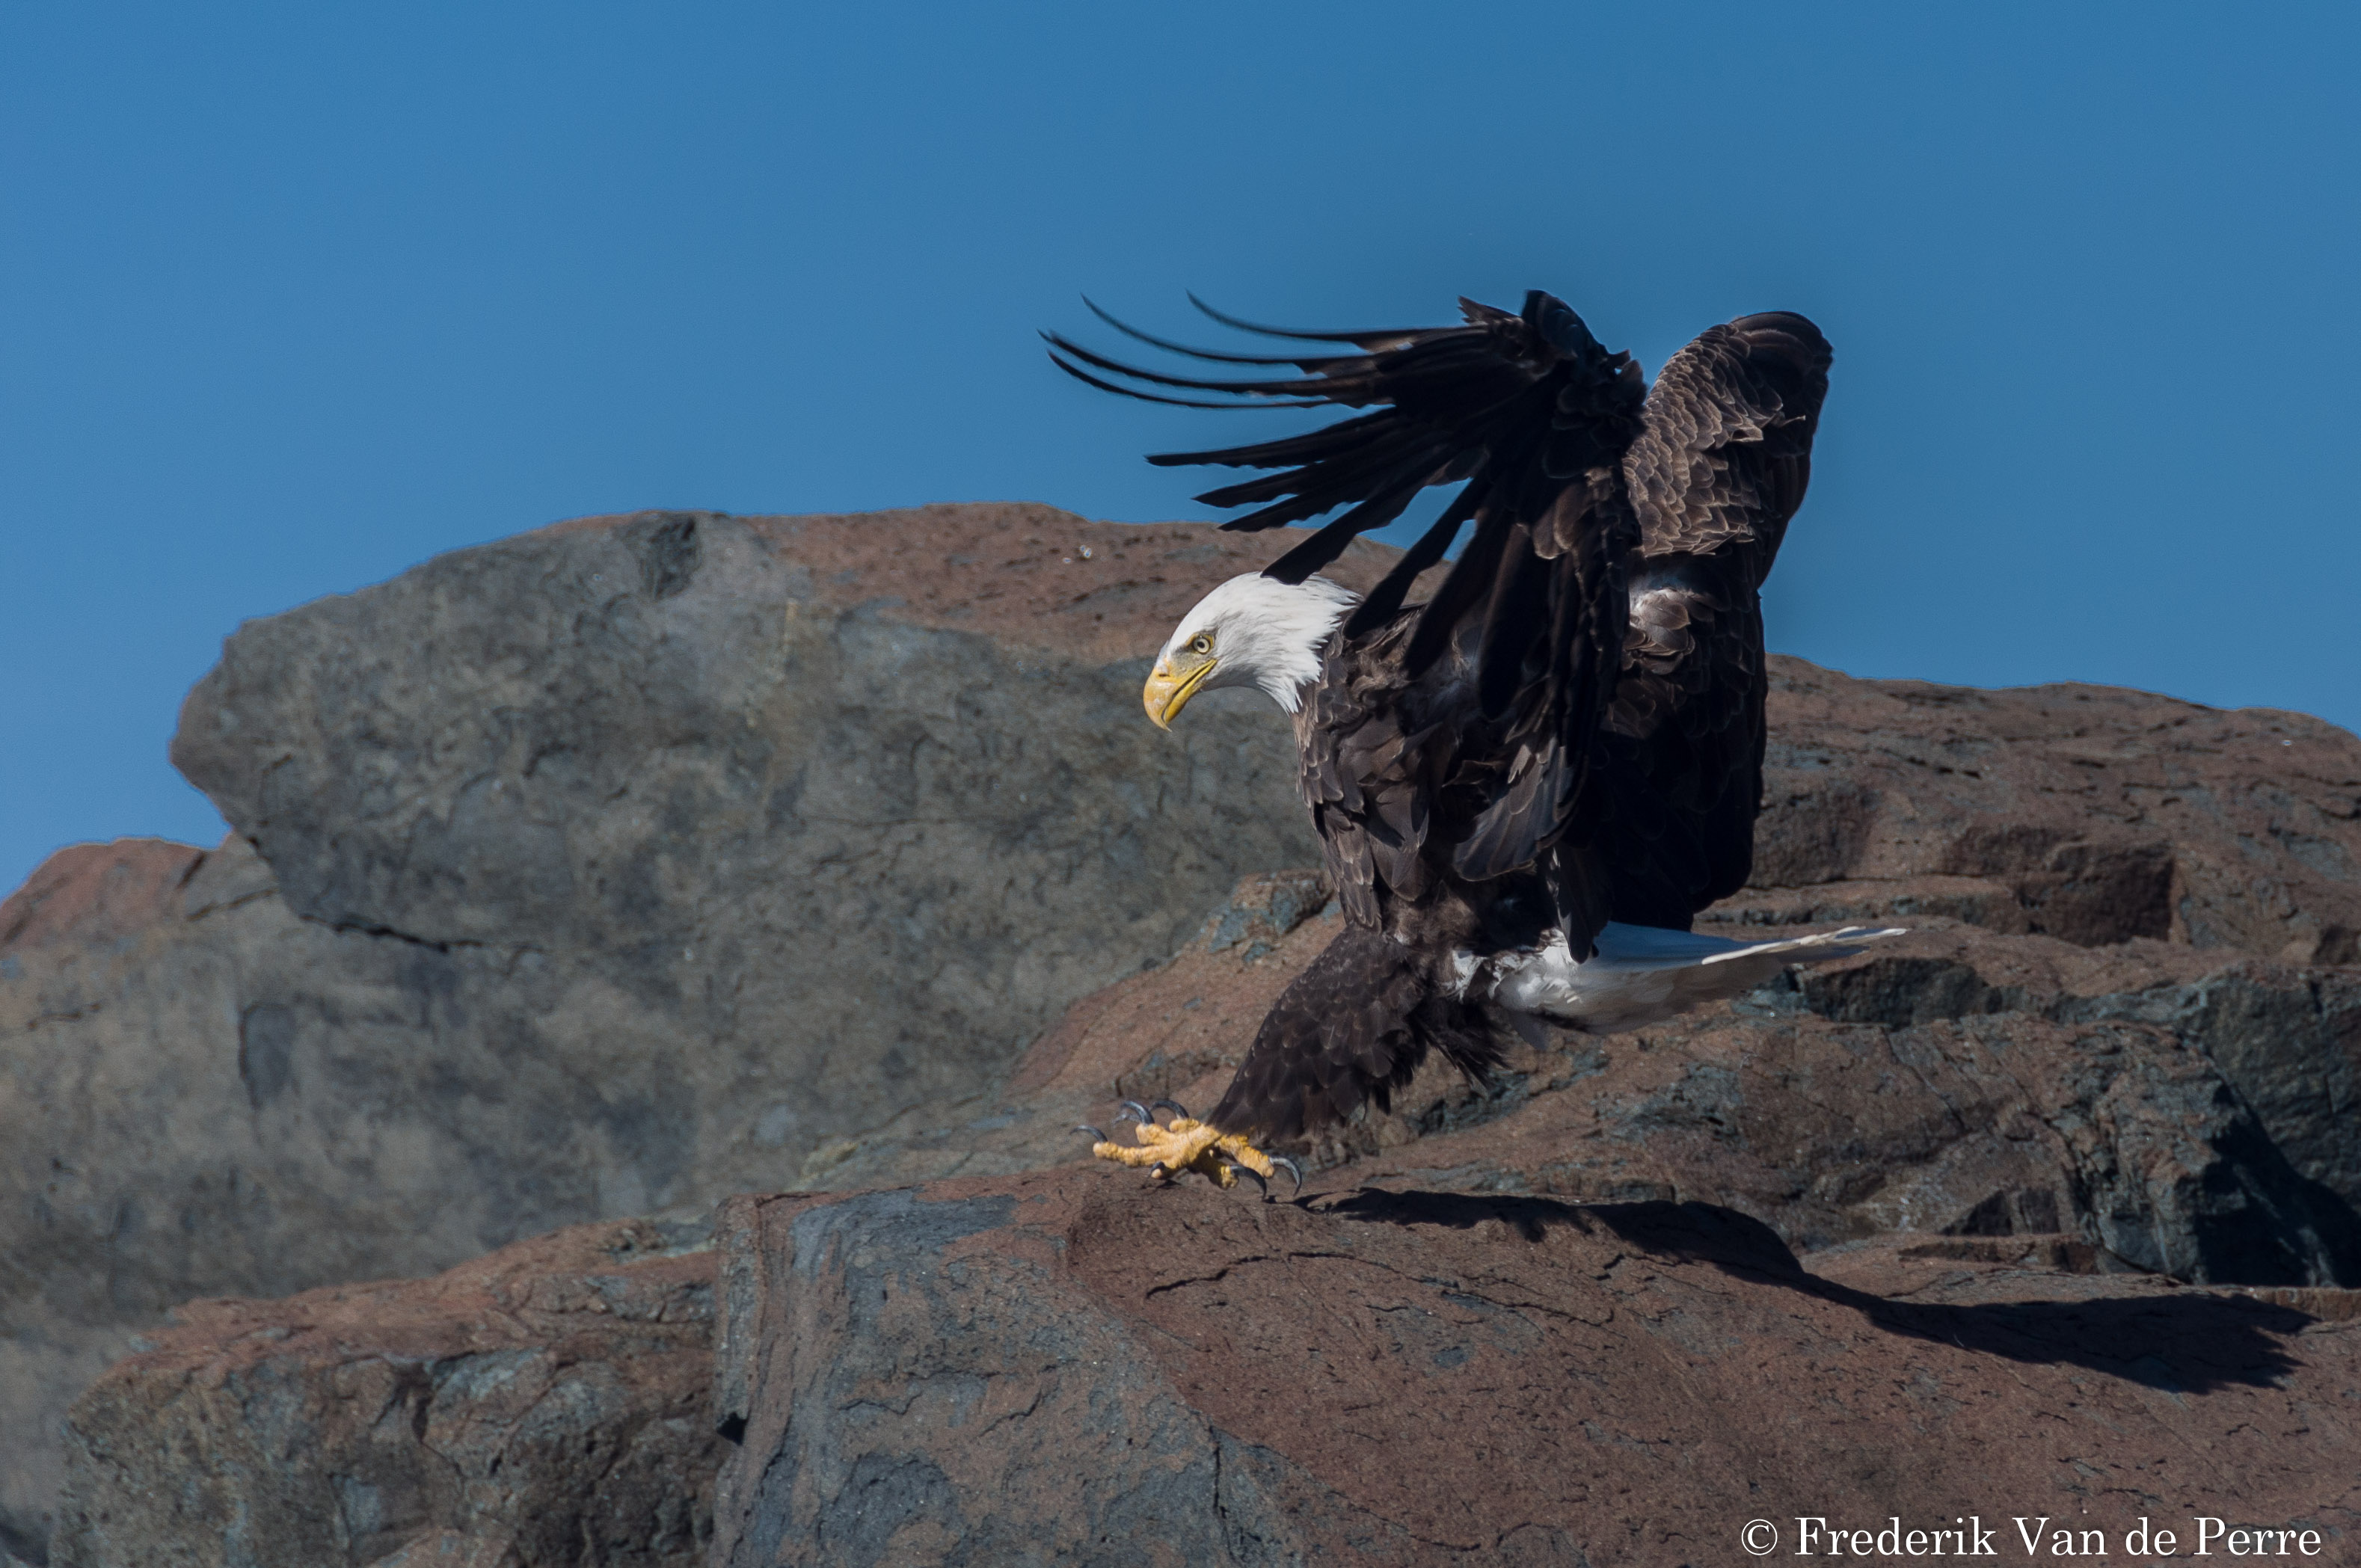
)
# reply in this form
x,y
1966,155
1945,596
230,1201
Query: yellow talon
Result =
x,y
1187,1143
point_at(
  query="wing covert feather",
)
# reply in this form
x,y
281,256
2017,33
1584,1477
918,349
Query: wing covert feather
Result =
x,y
1714,478
1726,448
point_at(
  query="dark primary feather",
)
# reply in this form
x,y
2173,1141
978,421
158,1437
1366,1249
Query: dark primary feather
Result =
x,y
1482,398
1376,339
1299,361
1570,729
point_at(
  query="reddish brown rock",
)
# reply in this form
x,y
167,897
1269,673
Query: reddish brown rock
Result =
x,y
1032,576
2061,1081
2088,813
547,1404
96,893
1081,1366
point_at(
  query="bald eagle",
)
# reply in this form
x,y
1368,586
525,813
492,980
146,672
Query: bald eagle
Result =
x,y
1527,785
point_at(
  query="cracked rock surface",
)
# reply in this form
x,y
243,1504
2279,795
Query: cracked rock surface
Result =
x,y
1077,1366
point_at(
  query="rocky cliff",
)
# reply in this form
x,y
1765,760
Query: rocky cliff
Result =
x,y
643,861
609,869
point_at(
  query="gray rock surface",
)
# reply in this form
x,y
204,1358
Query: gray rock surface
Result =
x,y
545,1406
706,782
609,868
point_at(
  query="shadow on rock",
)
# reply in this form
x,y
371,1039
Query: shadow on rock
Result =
x,y
1699,1232
2180,1342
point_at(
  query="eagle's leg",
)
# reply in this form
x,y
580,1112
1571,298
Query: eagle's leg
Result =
x,y
1186,1143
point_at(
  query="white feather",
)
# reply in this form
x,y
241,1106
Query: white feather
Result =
x,y
1266,634
1643,974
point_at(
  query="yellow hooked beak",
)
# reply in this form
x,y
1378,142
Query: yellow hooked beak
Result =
x,y
1169,690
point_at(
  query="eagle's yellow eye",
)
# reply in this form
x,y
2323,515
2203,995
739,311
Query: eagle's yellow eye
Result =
x,y
1201,643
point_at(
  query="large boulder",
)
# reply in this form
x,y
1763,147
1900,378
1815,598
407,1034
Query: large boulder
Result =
x,y
762,828
613,867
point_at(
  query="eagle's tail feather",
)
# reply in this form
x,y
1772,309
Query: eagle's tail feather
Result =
x,y
1643,974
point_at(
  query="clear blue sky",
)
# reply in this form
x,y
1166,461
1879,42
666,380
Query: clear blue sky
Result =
x,y
293,297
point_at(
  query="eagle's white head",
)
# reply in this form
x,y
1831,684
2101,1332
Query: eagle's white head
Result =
x,y
1251,631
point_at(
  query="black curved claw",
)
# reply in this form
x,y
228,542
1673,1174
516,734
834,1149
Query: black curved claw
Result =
x,y
1175,1107
1136,1112
1292,1169
1160,1171
1096,1136
1251,1174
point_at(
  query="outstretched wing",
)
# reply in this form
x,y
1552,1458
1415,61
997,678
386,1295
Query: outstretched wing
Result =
x,y
1528,408
1535,416
1719,468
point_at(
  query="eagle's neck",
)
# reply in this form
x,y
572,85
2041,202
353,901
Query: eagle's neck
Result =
x,y
1264,633
1286,660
